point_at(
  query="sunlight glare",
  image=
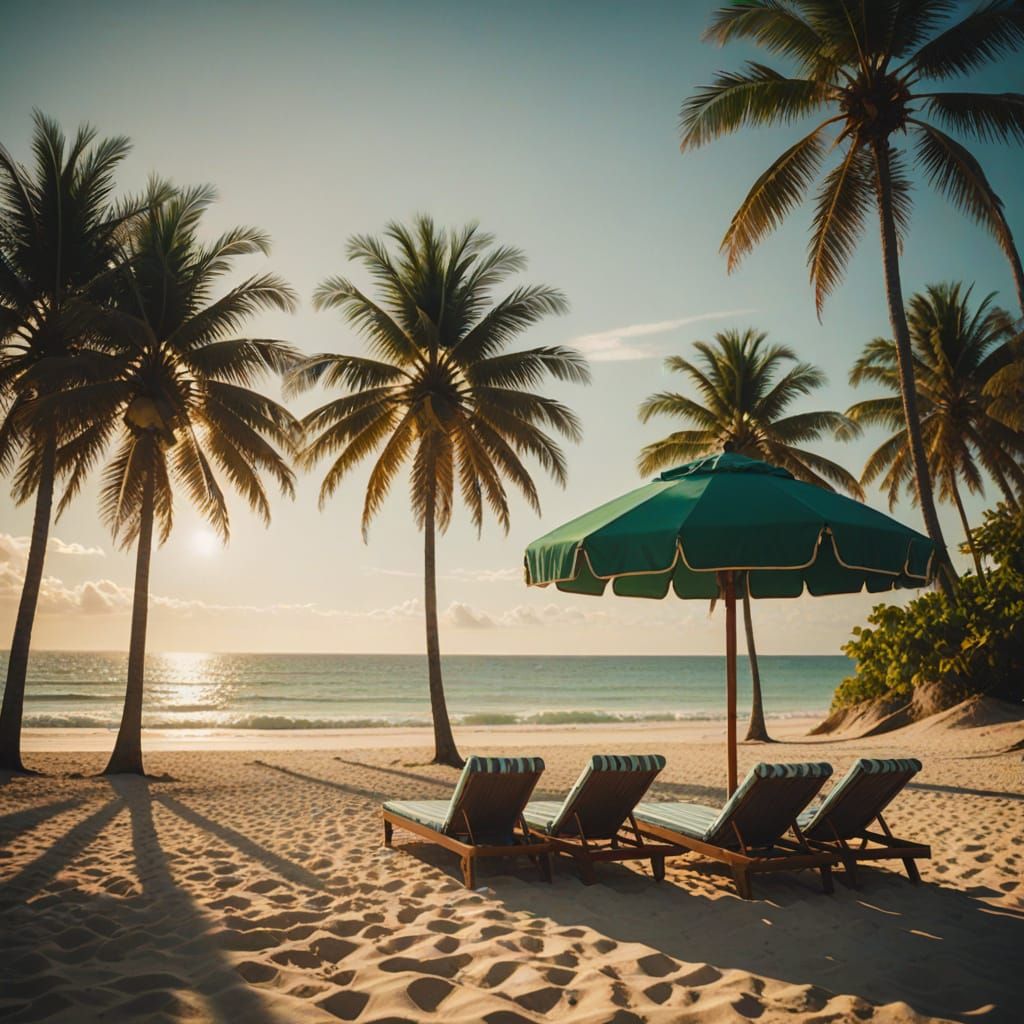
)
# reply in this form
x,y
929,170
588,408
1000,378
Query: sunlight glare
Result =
x,y
205,543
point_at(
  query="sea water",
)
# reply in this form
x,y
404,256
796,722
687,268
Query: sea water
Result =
x,y
337,691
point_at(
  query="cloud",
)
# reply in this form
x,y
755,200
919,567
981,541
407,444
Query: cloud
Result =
x,y
15,549
616,345
486,575
59,547
460,615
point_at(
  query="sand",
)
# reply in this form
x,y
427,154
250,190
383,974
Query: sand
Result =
x,y
251,886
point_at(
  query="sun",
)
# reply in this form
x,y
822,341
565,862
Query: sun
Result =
x,y
205,543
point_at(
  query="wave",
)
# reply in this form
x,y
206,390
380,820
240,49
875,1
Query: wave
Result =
x,y
48,697
578,716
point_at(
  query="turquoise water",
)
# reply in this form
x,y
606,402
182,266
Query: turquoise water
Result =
x,y
331,691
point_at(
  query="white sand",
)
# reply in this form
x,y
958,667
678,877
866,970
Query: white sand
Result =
x,y
252,887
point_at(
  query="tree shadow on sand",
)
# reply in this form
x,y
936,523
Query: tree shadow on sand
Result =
x,y
146,953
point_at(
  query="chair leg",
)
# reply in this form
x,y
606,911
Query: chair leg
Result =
x,y
912,873
826,879
587,873
658,867
469,871
742,878
388,832
547,873
850,873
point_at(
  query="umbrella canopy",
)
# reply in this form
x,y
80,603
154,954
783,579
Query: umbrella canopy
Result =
x,y
724,523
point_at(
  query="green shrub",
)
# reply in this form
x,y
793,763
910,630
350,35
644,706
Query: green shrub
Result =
x,y
973,642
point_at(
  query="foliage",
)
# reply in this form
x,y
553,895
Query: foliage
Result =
x,y
441,389
745,389
875,74
957,352
175,393
973,642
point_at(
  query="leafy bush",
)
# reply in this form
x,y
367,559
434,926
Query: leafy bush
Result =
x,y
974,642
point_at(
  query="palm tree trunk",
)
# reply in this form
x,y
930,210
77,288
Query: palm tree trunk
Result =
x,y
967,529
17,662
908,388
127,754
756,730
445,751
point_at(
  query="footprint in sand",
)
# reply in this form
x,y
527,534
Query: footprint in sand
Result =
x,y
658,993
657,965
703,975
448,927
256,973
429,993
499,973
346,1005
541,1000
441,966
331,950
560,976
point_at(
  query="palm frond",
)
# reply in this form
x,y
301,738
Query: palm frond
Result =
x,y
774,195
994,30
756,96
988,117
841,206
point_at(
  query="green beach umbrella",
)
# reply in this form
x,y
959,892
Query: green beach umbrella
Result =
x,y
713,528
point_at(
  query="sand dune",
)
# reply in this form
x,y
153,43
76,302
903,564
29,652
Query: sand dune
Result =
x,y
253,887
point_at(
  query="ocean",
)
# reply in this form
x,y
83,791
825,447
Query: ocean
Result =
x,y
337,691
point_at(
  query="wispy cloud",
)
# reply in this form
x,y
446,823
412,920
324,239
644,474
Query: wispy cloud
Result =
x,y
619,344
16,548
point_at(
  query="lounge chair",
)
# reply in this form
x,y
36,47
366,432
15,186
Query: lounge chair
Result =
x,y
590,823
749,832
481,818
857,800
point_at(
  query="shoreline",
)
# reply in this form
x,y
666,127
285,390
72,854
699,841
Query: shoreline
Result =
x,y
642,735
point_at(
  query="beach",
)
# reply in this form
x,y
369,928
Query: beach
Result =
x,y
245,880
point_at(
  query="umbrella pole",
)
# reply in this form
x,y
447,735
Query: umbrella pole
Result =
x,y
730,675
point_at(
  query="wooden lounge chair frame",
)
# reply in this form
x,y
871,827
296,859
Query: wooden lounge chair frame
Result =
x,y
612,782
748,856
628,844
744,862
476,786
873,846
887,847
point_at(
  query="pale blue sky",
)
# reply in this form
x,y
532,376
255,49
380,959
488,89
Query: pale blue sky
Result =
x,y
555,127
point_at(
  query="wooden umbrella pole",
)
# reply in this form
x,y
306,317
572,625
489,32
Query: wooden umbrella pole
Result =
x,y
730,673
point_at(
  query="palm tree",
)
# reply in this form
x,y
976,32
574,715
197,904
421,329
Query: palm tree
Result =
x,y
957,352
867,67
59,239
744,392
441,391
181,408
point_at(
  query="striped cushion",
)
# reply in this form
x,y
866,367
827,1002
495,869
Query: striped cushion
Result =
x,y
707,823
431,813
542,814
437,814
811,819
692,820
476,765
548,815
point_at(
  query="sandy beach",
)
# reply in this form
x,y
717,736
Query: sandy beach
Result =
x,y
250,885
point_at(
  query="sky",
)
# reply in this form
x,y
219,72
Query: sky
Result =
x,y
555,127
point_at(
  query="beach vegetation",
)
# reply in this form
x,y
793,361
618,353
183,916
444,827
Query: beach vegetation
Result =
x,y
745,387
958,349
441,391
971,643
877,76
61,231
176,407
